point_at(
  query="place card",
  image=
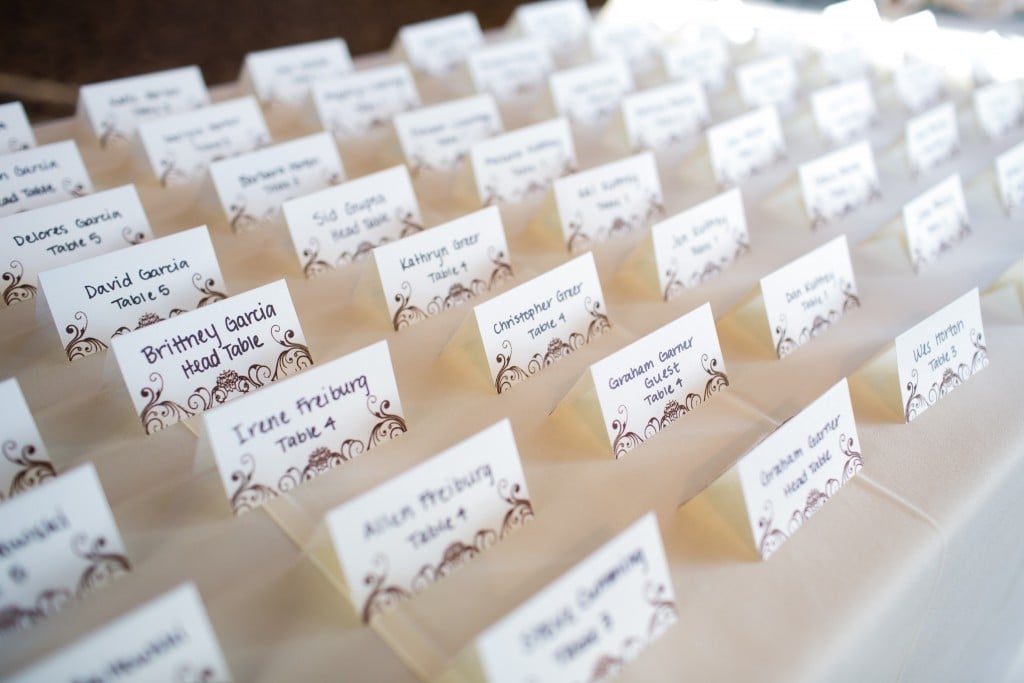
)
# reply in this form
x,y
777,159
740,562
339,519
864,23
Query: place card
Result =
x,y
794,471
270,441
421,526
509,167
186,365
26,463
64,233
436,47
589,94
167,639
40,176
999,108
510,69
95,300
771,81
363,101
660,117
844,63
444,267
745,146
936,221
284,75
180,147
342,224
837,184
932,138
806,297
919,85
940,353
560,24
15,130
59,543
439,137
1009,177
594,618
844,112
251,187
637,44
113,110
707,61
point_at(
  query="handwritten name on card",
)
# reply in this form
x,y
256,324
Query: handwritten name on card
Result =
x,y
95,300
444,267
64,233
707,61
438,138
251,187
510,69
837,184
806,297
180,147
637,44
844,63
536,324
940,353
15,130
422,525
844,112
610,606
697,244
745,146
284,75
41,176
273,440
1010,176
932,138
771,81
436,47
560,24
58,543
115,109
198,360
25,463
589,94
364,101
509,167
665,115
919,85
999,108
936,221
795,470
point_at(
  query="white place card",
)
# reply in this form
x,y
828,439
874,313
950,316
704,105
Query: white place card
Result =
x,y
590,621
509,167
95,300
41,176
113,110
271,441
64,233
60,543
536,324
932,138
25,463
342,224
697,244
355,104
666,115
251,187
560,24
936,221
1010,176
745,146
806,297
284,75
15,130
589,94
436,47
444,267
999,108
707,61
795,470
510,69
940,353
837,184
844,112
198,360
771,81
167,639
439,137
421,526
180,147
637,44
844,63
919,85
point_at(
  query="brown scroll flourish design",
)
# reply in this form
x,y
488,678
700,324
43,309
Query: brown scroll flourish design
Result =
x,y
31,473
15,290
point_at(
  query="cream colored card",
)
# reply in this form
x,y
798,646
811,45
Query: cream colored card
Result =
x,y
837,184
114,110
560,24
510,69
252,187
745,146
41,176
666,115
95,300
1010,176
637,44
15,130
166,639
794,471
342,224
844,112
806,297
420,527
273,440
438,138
936,221
510,167
594,618
355,104
437,46
180,147
53,236
60,543
999,108
284,75
26,463
919,85
589,94
940,353
186,365
844,63
706,61
770,81
444,267
932,138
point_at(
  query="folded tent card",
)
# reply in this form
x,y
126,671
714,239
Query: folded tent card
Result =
x,y
438,138
932,138
561,25
999,108
1009,167
588,95
15,130
362,102
845,112
437,47
25,464
282,77
41,176
745,146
